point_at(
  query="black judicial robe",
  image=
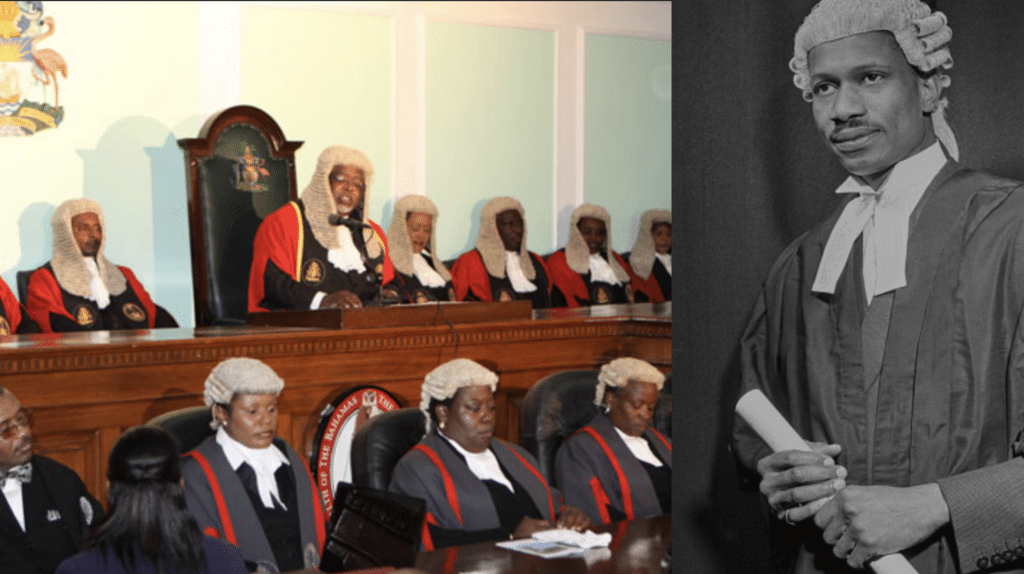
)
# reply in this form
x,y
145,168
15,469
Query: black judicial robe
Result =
x,y
951,394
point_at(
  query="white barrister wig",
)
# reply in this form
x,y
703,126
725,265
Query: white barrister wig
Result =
x,y
67,262
619,372
923,36
489,244
319,203
239,375
642,256
400,245
444,381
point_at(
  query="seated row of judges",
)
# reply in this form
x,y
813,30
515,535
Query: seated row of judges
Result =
x,y
323,252
244,500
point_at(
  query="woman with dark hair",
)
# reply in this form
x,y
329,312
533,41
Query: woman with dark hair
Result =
x,y
148,528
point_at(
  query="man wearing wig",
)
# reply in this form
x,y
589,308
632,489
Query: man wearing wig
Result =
x,y
245,484
322,252
501,268
79,289
889,334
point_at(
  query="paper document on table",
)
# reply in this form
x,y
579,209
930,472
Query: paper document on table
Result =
x,y
558,543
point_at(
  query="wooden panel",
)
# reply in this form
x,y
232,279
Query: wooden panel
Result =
x,y
86,390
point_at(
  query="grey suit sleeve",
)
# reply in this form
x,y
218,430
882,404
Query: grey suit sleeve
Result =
x,y
987,515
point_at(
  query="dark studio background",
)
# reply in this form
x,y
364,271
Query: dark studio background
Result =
x,y
750,175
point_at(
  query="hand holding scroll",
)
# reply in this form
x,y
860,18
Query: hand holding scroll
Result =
x,y
769,424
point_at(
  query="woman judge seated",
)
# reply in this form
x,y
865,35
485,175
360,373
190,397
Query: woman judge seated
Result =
x,y
500,268
246,485
420,276
477,488
586,271
149,528
619,467
651,258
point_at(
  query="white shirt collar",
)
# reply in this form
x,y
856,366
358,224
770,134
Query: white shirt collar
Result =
x,y
883,214
484,465
263,461
639,447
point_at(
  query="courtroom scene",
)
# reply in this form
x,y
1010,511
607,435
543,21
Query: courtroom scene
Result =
x,y
855,214
336,287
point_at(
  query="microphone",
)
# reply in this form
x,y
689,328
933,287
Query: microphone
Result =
x,y
336,220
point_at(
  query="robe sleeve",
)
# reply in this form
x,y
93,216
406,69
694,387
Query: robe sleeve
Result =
x,y
19,321
46,303
278,241
575,473
569,284
470,279
155,319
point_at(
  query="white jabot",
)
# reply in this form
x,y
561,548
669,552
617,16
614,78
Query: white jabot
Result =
x,y
484,465
346,257
264,461
639,447
666,260
12,492
315,303
601,271
515,274
883,217
97,288
426,274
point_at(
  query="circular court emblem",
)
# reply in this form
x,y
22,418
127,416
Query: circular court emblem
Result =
x,y
332,445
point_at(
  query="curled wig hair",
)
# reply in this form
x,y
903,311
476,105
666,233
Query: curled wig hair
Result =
x,y
444,381
489,243
400,245
923,36
67,262
577,254
641,259
320,204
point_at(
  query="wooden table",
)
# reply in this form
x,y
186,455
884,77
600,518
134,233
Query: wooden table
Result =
x,y
638,547
87,388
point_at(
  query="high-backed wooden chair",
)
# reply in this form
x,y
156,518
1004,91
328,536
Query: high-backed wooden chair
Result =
x,y
239,170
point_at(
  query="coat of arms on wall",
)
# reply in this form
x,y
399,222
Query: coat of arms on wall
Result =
x,y
29,99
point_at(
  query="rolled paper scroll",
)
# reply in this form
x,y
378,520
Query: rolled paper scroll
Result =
x,y
777,433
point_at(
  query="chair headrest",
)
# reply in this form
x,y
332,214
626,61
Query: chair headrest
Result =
x,y
378,444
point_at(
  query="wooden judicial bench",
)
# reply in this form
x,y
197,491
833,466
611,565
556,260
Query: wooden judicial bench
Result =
x,y
85,389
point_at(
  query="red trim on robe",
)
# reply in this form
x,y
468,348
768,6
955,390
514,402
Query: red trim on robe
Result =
x,y
470,275
279,239
45,297
627,493
571,283
601,499
661,437
318,510
449,484
218,496
12,308
649,286
540,477
428,541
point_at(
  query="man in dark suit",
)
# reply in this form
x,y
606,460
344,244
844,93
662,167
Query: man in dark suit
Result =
x,y
46,510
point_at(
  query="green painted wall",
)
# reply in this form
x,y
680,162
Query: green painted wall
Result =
x,y
326,79
628,139
490,128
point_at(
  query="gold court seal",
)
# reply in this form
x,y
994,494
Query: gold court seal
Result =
x,y
5,327
84,315
313,274
505,296
134,313
601,295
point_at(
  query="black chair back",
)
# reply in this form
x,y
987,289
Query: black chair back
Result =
x,y
378,444
239,170
554,408
189,426
22,279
